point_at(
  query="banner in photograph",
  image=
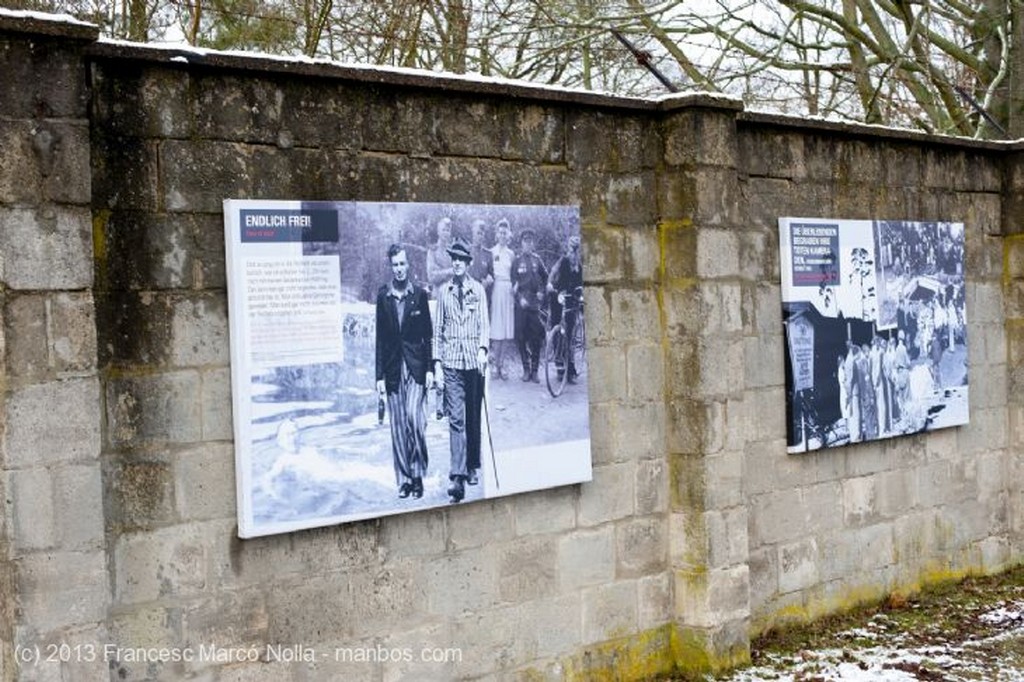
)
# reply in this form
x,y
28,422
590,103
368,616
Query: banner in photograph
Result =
x,y
389,357
875,328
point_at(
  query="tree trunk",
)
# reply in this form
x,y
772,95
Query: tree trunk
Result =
x,y
138,21
197,15
859,64
1015,103
457,16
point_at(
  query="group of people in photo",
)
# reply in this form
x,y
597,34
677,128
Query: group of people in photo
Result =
x,y
879,348
891,384
932,326
873,382
882,383
908,248
488,305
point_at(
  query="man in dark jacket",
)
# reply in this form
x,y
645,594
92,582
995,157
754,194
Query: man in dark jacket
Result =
x,y
404,345
529,282
565,284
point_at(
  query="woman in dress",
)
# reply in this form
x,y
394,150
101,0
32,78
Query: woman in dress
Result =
x,y
502,302
844,398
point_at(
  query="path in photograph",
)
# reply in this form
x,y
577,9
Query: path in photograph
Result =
x,y
357,477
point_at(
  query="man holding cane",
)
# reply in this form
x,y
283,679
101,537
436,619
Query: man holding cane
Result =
x,y
461,335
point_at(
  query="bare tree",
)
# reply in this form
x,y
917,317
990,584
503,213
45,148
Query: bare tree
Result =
x,y
944,66
315,16
932,64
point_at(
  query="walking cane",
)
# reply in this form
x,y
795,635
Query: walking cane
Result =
x,y
487,418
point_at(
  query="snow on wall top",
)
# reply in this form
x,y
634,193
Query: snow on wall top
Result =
x,y
63,25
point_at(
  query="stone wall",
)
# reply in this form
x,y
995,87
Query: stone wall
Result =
x,y
53,562
698,530
572,579
831,528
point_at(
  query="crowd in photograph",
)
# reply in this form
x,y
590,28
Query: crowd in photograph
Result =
x,y
887,384
920,247
522,292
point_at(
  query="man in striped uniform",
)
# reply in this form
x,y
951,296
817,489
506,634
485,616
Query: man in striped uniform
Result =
x,y
404,371
461,335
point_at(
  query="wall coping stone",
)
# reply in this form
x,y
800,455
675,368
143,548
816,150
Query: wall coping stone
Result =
x,y
56,25
183,57
179,57
856,129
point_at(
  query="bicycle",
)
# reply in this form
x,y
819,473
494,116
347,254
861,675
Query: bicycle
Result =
x,y
559,351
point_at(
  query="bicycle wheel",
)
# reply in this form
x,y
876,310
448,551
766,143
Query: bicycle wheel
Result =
x,y
555,352
579,349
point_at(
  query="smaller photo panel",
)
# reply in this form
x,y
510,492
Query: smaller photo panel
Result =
x,y
875,328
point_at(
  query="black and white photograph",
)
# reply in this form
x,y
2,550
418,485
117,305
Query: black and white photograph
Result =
x,y
390,357
875,328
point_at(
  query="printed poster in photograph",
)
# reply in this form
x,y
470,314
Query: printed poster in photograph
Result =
x,y
390,357
875,329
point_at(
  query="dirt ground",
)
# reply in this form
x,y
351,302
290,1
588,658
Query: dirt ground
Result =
x,y
970,630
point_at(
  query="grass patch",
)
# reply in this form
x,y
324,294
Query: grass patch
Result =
x,y
958,630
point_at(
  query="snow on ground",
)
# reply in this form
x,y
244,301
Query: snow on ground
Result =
x,y
1005,614
876,653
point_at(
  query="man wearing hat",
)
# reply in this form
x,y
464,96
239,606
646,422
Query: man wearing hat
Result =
x,y
529,281
461,335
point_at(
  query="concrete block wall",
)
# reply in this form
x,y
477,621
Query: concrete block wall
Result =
x,y
1013,292
702,293
565,582
697,532
53,567
831,528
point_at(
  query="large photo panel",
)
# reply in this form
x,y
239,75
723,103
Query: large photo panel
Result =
x,y
875,329
390,357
